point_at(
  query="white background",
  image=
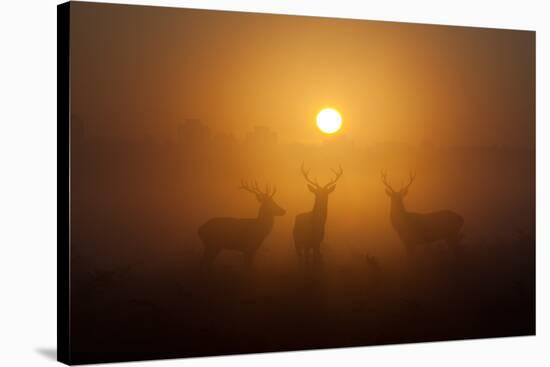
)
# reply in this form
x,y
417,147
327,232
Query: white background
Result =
x,y
28,183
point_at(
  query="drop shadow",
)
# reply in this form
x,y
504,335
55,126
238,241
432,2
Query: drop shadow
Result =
x,y
49,353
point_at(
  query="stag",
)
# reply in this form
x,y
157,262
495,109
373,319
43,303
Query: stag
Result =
x,y
244,235
309,228
415,229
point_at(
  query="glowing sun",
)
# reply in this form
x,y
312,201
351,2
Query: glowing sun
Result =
x,y
329,120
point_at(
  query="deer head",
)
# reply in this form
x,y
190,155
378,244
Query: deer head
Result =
x,y
397,196
322,192
265,198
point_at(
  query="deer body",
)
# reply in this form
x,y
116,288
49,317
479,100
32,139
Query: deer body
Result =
x,y
416,229
240,234
309,227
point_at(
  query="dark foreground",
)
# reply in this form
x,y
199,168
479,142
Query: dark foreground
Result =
x,y
140,311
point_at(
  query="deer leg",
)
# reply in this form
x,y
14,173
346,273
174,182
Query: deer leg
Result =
x,y
299,249
412,252
453,243
249,258
300,252
209,255
317,257
306,254
408,250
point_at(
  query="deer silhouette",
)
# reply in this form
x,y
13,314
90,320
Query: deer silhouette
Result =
x,y
244,235
415,229
309,228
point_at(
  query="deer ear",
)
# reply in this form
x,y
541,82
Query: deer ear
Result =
x,y
388,192
311,188
331,189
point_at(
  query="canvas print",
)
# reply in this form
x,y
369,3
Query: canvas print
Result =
x,y
244,183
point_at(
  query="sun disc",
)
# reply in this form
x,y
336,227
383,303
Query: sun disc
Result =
x,y
329,120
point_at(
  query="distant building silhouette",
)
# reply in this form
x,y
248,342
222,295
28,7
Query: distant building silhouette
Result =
x,y
261,135
193,130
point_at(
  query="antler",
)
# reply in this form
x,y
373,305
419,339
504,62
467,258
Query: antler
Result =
x,y
306,176
256,190
384,177
316,184
412,176
269,192
250,188
337,174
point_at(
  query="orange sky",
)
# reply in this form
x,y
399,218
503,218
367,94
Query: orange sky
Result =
x,y
139,71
